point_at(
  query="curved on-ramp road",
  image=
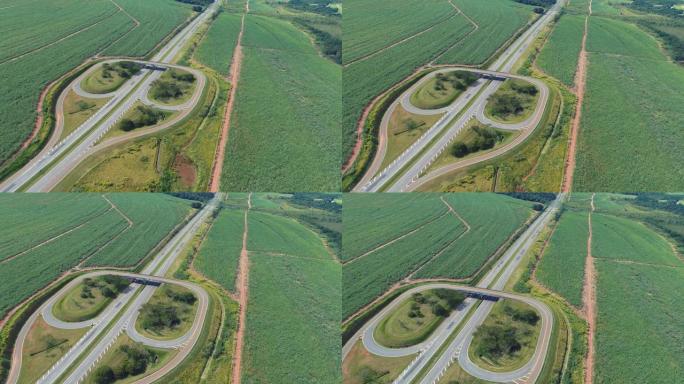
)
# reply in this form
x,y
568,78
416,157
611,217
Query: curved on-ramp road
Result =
x,y
469,104
57,159
530,371
187,340
408,166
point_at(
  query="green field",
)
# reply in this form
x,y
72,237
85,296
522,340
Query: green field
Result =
x,y
152,28
218,256
371,219
442,247
498,22
625,239
105,240
284,131
448,39
50,38
372,25
560,54
280,235
470,252
216,50
561,268
640,330
293,321
630,138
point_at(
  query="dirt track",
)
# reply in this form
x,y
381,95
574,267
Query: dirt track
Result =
x,y
589,300
235,66
580,86
243,296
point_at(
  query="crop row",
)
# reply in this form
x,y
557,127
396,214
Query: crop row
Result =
x,y
282,235
216,50
218,256
293,321
372,25
560,54
562,265
497,20
374,219
44,216
369,276
492,220
291,142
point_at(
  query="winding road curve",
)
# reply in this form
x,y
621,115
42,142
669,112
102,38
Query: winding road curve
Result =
x,y
58,159
491,284
404,172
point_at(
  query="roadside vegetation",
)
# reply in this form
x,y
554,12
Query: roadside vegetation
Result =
x,y
513,102
174,87
403,130
475,139
415,319
142,116
169,314
443,89
88,299
43,347
77,110
508,337
127,360
363,367
109,77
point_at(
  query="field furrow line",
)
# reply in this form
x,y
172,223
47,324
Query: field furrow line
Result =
x,y
381,246
381,50
38,49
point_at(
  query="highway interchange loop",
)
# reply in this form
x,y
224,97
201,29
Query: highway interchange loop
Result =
x,y
406,172
121,315
492,284
60,157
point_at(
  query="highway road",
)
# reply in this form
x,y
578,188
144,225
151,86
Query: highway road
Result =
x,y
55,162
121,314
408,167
492,283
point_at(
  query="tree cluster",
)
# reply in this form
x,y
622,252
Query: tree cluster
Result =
x,y
497,340
459,80
125,69
181,296
538,3
146,116
484,138
159,316
528,316
135,361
